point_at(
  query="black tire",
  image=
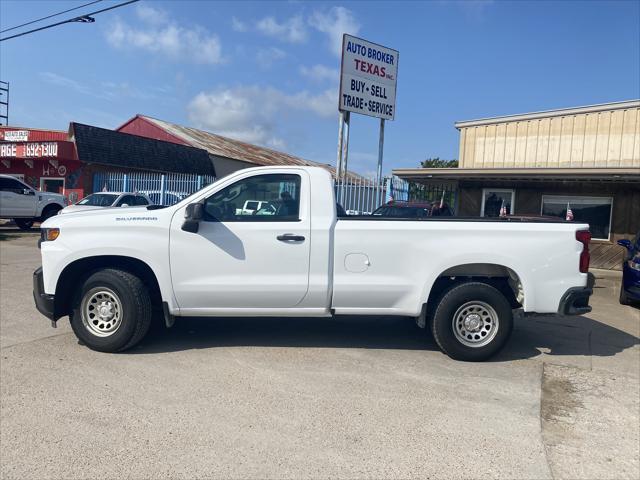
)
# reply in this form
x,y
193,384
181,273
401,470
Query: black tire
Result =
x,y
49,212
121,292
480,304
24,223
624,299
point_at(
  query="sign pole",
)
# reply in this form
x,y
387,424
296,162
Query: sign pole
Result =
x,y
340,139
380,151
345,157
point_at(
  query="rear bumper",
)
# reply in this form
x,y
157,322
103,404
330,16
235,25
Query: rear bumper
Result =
x,y
45,303
575,301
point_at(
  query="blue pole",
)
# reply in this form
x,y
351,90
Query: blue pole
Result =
x,y
163,188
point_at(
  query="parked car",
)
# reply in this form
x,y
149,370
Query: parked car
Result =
x,y
24,205
251,207
170,198
630,285
109,199
110,270
411,210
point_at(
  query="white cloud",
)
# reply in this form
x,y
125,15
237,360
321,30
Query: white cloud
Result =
x,y
253,113
149,14
266,57
238,25
62,81
320,73
292,30
163,36
334,23
105,90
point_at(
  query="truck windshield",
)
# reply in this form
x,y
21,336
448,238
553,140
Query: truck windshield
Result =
x,y
99,200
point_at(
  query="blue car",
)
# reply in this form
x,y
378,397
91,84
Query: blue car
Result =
x,y
630,287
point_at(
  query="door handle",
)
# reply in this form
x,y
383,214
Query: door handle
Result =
x,y
290,237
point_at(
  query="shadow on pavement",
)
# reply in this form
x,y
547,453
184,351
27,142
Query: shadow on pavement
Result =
x,y
555,335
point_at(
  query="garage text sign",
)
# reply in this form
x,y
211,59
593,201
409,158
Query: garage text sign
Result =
x,y
29,150
14,135
368,78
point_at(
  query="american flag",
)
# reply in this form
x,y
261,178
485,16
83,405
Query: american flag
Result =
x,y
503,210
569,217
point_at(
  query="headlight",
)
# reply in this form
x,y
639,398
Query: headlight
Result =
x,y
49,234
634,263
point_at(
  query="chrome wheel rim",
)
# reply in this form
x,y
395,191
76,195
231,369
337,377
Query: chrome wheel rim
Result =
x,y
475,324
101,312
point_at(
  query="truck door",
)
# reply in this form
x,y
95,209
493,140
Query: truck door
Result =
x,y
16,199
246,259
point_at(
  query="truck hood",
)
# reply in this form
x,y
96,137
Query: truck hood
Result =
x,y
83,213
81,208
50,196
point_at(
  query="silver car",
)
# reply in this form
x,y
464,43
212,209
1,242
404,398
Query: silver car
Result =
x,y
109,199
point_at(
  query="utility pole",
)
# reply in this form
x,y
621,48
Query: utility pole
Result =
x,y
4,103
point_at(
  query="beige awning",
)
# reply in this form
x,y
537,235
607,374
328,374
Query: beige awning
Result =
x,y
622,175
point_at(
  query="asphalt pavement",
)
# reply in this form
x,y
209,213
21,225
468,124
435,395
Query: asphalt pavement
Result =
x,y
345,397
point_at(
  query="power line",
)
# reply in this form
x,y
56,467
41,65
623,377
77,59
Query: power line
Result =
x,y
86,18
49,16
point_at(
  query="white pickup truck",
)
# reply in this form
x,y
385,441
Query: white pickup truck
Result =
x,y
23,204
113,270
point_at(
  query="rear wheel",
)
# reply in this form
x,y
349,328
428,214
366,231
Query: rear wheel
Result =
x,y
472,321
24,223
112,311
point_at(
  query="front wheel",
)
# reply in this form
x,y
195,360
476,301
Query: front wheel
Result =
x,y
24,223
49,212
472,321
112,311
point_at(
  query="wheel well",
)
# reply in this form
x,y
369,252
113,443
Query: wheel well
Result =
x,y
51,206
76,272
502,278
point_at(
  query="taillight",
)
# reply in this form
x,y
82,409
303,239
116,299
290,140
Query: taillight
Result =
x,y
584,237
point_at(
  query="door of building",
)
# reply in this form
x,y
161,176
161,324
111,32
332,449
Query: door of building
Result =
x,y
52,184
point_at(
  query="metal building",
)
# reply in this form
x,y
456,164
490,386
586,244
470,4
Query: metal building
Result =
x,y
542,163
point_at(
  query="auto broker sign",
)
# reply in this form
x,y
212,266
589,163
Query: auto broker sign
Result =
x,y
368,78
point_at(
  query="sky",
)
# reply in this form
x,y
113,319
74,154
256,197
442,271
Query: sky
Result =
x,y
268,72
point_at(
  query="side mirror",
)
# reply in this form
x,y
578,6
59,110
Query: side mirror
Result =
x,y
124,205
192,216
28,191
626,244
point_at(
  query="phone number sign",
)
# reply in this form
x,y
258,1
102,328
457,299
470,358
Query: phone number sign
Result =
x,y
368,78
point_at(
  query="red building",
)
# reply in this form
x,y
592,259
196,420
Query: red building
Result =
x,y
45,159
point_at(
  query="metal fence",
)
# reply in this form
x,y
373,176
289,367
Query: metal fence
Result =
x,y
163,189
359,196
363,196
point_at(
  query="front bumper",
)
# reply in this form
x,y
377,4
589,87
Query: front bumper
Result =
x,y
45,303
575,301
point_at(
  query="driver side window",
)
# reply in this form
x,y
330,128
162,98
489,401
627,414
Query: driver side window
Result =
x,y
262,198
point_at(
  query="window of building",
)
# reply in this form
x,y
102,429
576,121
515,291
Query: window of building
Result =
x,y
596,211
261,198
52,184
493,199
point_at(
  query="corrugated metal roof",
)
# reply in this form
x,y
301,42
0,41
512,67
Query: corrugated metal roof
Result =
x,y
235,149
600,107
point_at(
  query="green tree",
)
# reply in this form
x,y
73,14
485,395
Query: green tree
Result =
x,y
437,162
